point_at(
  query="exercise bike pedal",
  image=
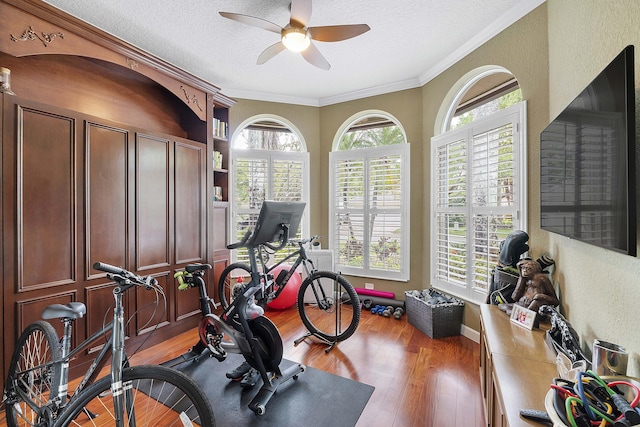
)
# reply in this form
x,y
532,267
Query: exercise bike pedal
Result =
x,y
218,353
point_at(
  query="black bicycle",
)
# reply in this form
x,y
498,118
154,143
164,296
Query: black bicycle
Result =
x,y
36,388
327,303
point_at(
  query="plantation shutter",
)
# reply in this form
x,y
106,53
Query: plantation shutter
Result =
x,y
368,222
385,211
451,212
349,212
478,179
288,183
493,199
266,175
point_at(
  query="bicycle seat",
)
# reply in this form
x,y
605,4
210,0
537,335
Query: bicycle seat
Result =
x,y
192,268
72,310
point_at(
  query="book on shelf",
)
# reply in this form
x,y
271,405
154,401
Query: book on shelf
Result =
x,y
217,160
217,193
220,128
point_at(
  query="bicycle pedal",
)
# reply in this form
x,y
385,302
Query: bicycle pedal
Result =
x,y
219,353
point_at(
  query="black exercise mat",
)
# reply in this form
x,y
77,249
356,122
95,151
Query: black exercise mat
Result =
x,y
316,398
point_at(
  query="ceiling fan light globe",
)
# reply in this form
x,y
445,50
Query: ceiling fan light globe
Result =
x,y
296,39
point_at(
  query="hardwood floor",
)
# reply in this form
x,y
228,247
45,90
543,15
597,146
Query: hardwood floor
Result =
x,y
418,381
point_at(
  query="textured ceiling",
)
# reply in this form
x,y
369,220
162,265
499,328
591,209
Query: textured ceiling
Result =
x,y
410,42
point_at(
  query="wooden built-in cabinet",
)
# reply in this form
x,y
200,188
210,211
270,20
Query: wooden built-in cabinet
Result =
x,y
107,155
516,368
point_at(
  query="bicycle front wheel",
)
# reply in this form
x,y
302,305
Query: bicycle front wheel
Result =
x,y
31,383
154,396
329,306
230,281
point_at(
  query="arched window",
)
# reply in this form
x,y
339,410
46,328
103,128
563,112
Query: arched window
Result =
x,y
478,180
269,161
369,190
486,97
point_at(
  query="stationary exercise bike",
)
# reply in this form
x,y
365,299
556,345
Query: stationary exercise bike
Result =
x,y
242,327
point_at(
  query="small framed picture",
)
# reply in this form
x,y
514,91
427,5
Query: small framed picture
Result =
x,y
522,316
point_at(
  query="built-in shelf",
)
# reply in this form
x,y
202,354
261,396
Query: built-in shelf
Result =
x,y
220,153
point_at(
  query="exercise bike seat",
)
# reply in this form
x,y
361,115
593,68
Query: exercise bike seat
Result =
x,y
192,268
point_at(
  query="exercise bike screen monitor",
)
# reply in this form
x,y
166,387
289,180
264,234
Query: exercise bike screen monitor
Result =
x,y
272,215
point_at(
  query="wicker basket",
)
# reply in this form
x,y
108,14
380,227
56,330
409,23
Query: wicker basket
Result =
x,y
437,321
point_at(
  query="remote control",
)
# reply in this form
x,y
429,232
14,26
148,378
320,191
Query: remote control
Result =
x,y
536,415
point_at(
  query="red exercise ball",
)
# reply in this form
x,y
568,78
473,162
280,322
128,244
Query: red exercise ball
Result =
x,y
289,294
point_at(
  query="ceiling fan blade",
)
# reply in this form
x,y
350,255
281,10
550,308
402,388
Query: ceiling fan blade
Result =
x,y
253,21
314,57
334,33
270,52
300,13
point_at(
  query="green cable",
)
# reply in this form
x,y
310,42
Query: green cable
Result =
x,y
600,381
567,403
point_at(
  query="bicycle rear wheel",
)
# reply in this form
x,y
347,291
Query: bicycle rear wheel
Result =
x,y
229,279
329,306
27,388
154,396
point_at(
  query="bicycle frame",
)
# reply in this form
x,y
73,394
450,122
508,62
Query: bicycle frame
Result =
x,y
115,342
96,365
300,253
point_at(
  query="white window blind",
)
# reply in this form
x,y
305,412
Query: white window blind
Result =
x,y
478,175
369,215
260,175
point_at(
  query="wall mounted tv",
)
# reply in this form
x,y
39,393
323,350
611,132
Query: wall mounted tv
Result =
x,y
587,163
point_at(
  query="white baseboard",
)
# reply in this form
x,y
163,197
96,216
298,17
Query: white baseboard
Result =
x,y
472,334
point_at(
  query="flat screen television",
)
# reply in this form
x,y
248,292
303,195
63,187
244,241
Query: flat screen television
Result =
x,y
587,162
272,215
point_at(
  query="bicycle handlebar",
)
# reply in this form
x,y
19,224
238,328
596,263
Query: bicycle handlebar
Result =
x,y
309,240
122,275
241,243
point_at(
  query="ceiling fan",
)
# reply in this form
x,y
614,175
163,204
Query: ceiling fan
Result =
x,y
297,36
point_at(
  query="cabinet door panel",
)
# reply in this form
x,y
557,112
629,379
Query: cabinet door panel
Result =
x,y
149,316
190,209
46,199
106,198
152,202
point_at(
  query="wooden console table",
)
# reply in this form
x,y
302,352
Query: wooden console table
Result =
x,y
516,368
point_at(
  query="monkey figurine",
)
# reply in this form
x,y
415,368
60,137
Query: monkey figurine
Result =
x,y
533,289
